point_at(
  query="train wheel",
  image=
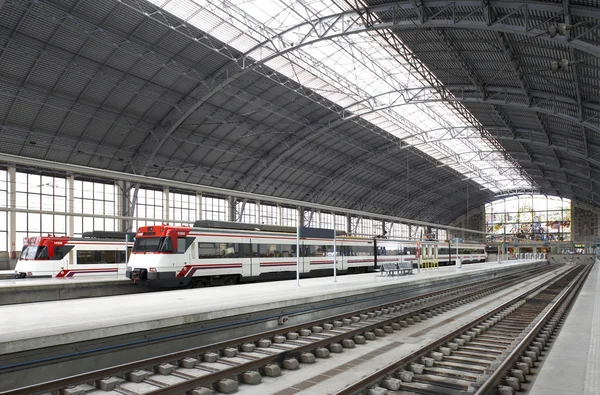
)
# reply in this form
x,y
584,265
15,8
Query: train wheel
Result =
x,y
199,283
231,280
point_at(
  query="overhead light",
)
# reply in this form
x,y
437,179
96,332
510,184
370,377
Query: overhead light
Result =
x,y
562,64
559,28
562,28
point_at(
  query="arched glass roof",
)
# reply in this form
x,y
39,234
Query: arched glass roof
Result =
x,y
358,72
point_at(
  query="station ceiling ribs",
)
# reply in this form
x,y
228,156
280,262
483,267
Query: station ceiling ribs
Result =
x,y
123,85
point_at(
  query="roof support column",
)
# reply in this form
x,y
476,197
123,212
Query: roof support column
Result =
x,y
348,224
300,221
12,215
318,218
166,205
70,193
279,215
123,188
257,217
199,207
231,216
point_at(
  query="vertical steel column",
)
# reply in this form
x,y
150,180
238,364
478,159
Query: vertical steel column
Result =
x,y
166,205
12,215
232,216
70,196
122,203
279,216
199,214
257,216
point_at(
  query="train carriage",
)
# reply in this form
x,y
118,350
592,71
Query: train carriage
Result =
x,y
216,253
95,253
171,256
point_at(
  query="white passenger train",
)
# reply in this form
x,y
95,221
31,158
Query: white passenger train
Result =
x,y
213,253
96,253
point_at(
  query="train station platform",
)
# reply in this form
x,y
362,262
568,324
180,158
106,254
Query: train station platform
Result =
x,y
28,290
573,364
70,321
7,274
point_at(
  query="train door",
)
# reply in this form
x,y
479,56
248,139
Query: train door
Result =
x,y
341,256
305,256
66,263
250,260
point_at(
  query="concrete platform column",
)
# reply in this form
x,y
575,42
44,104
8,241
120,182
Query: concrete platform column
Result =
x,y
167,204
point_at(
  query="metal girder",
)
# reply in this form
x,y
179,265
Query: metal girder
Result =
x,y
321,29
352,22
528,141
409,95
502,102
113,175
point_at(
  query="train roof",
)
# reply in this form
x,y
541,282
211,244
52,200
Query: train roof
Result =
x,y
251,227
102,234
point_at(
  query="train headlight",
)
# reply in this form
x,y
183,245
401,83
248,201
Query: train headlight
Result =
x,y
152,269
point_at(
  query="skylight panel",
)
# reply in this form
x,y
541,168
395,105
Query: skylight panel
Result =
x,y
359,72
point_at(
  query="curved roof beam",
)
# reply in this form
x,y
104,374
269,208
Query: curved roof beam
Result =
x,y
565,149
459,134
350,22
493,100
341,24
408,95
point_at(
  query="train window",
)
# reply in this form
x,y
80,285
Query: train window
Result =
x,y
319,250
34,253
217,250
181,245
248,250
85,257
167,244
61,252
410,250
276,250
360,251
95,257
146,244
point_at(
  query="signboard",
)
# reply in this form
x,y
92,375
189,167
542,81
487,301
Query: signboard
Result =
x,y
317,233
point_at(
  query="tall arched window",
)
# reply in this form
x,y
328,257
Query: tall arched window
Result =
x,y
528,218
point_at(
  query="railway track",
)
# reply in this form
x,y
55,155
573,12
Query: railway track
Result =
x,y
247,359
490,355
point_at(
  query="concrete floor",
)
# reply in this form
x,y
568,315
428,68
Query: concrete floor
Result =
x,y
573,364
66,321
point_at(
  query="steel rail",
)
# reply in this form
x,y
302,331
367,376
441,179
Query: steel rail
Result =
x,y
344,302
150,362
189,385
564,299
358,386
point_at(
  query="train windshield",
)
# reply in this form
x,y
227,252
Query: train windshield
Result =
x,y
153,244
34,252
